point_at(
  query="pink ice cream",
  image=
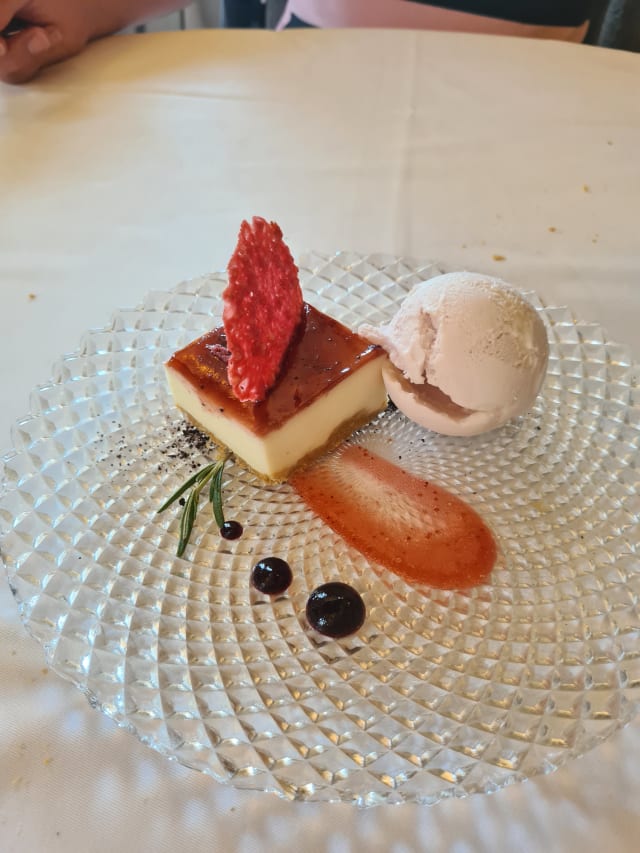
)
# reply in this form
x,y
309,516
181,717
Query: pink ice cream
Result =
x,y
467,353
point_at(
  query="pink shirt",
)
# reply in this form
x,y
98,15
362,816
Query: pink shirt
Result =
x,y
406,14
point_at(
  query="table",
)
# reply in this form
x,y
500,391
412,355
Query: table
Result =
x,y
130,168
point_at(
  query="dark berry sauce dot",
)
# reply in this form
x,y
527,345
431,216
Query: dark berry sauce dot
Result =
x,y
272,576
231,530
335,609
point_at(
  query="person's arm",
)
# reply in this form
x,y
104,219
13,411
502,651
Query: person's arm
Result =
x,y
58,29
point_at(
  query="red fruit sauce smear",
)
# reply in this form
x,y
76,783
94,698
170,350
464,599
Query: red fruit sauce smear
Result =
x,y
415,529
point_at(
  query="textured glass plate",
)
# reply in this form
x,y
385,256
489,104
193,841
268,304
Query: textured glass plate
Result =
x,y
440,693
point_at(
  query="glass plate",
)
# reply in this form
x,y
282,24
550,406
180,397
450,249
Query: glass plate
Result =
x,y
440,693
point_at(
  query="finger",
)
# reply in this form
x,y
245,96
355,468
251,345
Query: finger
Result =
x,y
29,51
9,11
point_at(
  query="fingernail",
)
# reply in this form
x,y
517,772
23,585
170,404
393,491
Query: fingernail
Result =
x,y
38,43
55,36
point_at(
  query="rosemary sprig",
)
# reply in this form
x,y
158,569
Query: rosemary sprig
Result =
x,y
203,473
211,474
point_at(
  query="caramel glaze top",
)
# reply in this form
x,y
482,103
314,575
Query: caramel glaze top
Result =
x,y
322,353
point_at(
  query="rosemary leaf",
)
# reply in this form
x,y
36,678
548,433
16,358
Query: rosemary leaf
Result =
x,y
198,477
215,493
187,521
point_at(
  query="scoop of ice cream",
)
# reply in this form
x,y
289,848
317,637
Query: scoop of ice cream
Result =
x,y
467,353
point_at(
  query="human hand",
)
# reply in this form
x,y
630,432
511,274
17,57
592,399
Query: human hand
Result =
x,y
51,30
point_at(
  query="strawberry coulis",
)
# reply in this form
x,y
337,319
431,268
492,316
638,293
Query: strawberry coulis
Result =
x,y
412,527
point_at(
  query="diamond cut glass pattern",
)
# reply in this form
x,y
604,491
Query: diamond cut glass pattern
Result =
x,y
440,693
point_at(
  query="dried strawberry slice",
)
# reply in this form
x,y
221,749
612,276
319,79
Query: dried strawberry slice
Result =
x,y
262,307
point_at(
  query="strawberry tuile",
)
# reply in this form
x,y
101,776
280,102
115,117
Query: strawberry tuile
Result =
x,y
262,308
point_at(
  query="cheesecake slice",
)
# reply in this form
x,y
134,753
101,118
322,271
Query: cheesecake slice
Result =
x,y
329,384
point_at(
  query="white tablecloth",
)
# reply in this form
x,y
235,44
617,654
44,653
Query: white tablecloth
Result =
x,y
130,168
